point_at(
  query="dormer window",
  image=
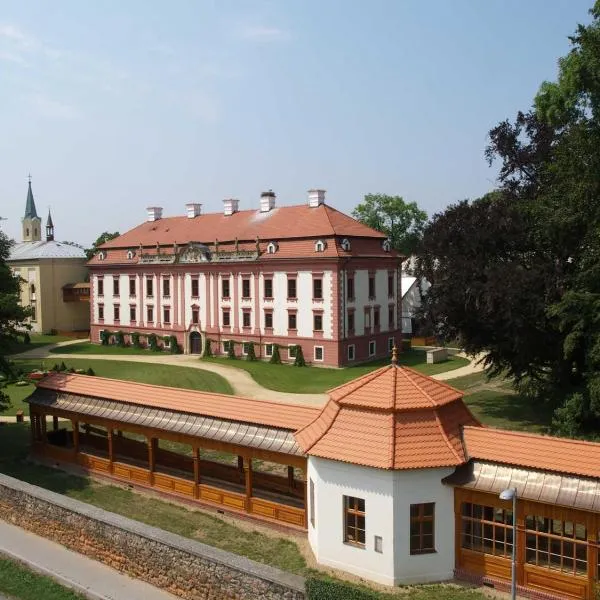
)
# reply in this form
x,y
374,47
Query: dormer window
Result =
x,y
387,245
101,255
272,247
320,246
345,244
130,254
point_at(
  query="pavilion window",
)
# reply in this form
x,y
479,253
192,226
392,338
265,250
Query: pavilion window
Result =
x,y
556,544
225,288
354,521
268,288
486,529
422,528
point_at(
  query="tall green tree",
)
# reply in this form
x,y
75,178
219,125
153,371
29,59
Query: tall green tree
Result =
x,y
12,314
401,221
102,239
518,275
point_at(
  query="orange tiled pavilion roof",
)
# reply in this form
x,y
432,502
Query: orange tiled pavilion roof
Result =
x,y
392,418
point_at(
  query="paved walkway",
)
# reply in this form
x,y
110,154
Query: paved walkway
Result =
x,y
241,381
475,366
86,576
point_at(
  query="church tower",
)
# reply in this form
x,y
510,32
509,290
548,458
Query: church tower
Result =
x,y
49,228
32,224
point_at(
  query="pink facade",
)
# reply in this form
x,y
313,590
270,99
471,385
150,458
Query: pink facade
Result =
x,y
333,293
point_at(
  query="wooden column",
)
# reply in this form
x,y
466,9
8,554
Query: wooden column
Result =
x,y
75,425
241,464
44,436
196,458
290,472
520,541
111,456
248,467
55,423
151,458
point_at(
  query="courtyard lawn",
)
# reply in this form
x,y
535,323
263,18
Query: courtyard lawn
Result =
x,y
279,551
18,582
38,340
89,348
305,380
182,377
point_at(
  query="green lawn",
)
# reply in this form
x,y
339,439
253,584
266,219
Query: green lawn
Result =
x,y
37,341
278,551
89,348
287,378
182,377
18,582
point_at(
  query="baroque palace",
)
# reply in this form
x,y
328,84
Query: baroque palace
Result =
x,y
304,275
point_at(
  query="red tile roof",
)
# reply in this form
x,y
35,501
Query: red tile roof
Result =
x,y
221,406
284,222
392,418
533,451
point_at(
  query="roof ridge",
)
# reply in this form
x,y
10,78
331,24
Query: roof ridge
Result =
x,y
364,379
325,208
331,422
414,384
534,435
437,381
393,411
443,432
80,376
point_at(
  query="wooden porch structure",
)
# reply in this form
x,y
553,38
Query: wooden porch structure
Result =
x,y
138,444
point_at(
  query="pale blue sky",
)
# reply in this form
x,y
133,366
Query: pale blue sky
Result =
x,y
115,105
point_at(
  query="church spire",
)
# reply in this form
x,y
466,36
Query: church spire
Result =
x,y
30,211
49,228
32,224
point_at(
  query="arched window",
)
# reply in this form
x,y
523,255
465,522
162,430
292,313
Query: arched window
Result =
x,y
387,245
101,255
27,232
320,246
272,247
130,254
345,244
32,289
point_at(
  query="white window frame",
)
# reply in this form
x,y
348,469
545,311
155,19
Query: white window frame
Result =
x,y
322,354
271,248
267,353
225,342
167,341
244,351
372,344
320,246
100,335
290,346
353,346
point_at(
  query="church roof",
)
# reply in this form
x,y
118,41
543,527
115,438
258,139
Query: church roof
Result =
x,y
49,222
392,418
30,211
44,249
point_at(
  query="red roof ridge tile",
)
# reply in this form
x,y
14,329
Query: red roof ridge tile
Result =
x,y
417,387
327,428
445,436
439,382
363,380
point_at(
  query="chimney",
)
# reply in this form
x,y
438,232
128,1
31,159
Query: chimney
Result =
x,y
154,213
230,206
193,210
267,201
316,198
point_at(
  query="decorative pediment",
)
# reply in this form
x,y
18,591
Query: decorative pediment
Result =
x,y
194,253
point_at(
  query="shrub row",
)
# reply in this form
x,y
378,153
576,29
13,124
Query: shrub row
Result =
x,y
324,589
117,338
296,352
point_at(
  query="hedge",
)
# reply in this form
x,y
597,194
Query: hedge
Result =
x,y
323,589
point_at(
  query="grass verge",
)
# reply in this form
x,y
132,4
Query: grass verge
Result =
x,y
89,348
157,374
287,378
20,583
37,340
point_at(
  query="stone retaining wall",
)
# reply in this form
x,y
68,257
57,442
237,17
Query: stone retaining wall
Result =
x,y
179,565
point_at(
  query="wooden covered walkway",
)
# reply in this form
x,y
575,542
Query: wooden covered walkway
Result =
x,y
235,453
